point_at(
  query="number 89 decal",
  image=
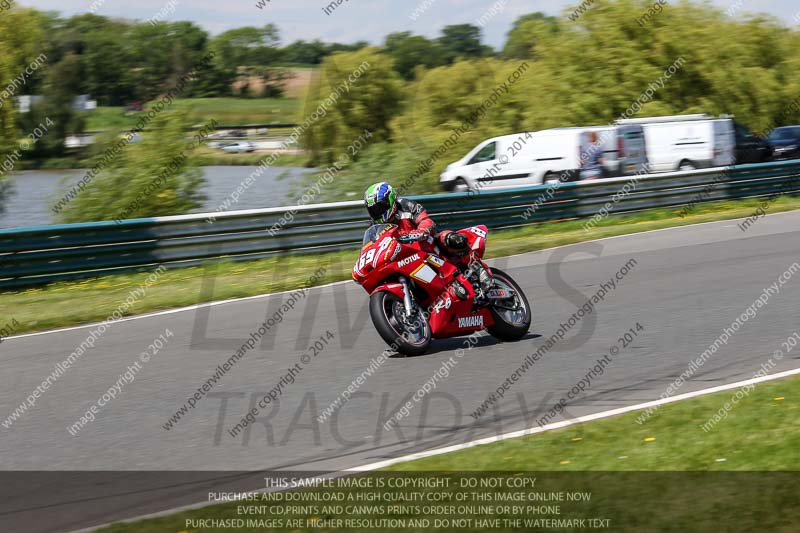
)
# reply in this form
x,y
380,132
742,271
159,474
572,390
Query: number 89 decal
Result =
x,y
371,255
366,258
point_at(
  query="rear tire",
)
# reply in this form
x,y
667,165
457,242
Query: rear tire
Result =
x,y
384,308
687,165
503,328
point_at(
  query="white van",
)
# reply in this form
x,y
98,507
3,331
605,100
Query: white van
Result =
x,y
533,158
687,142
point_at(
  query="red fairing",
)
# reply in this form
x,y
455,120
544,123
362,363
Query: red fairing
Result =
x,y
476,239
451,317
384,260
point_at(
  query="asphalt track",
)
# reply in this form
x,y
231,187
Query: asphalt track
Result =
x,y
687,285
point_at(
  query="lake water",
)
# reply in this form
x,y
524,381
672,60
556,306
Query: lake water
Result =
x,y
36,191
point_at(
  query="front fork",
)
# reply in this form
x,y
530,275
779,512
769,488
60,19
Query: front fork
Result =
x,y
407,302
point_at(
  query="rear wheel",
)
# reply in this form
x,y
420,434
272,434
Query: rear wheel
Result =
x,y
512,316
409,335
687,165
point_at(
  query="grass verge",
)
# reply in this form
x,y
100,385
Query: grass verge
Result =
x,y
207,157
664,475
759,434
73,303
226,111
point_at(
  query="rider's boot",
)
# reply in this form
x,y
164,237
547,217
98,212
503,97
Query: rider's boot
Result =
x,y
483,277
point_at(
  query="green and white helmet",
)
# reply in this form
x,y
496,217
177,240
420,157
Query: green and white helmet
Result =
x,y
381,202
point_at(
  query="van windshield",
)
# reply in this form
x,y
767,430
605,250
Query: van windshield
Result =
x,y
487,153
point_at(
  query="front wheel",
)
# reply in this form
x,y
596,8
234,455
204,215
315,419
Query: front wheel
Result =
x,y
461,185
512,316
409,335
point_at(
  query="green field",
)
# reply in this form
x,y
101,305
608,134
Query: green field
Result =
x,y
71,303
240,111
664,475
226,111
205,156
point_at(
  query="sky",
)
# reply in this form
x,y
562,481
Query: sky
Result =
x,y
360,20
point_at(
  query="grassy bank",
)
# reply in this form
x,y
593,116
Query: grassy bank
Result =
x,y
206,157
226,111
664,475
65,304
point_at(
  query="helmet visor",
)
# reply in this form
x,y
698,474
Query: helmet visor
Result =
x,y
379,211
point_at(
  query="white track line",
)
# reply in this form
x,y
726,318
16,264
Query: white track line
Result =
x,y
171,311
574,421
488,440
246,298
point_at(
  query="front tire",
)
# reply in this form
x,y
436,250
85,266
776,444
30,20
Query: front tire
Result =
x,y
408,335
510,325
550,178
461,185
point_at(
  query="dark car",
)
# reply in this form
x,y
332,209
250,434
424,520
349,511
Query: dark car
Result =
x,y
785,142
750,148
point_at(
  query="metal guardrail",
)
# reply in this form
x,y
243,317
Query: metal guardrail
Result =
x,y
38,255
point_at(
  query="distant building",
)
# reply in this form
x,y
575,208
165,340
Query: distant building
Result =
x,y
80,103
83,103
25,101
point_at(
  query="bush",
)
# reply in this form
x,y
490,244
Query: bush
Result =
x,y
155,176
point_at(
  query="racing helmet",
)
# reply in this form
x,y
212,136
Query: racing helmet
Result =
x,y
381,202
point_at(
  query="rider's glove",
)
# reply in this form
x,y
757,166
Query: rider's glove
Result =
x,y
456,241
415,235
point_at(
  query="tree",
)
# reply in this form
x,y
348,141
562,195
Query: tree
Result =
x,y
56,111
305,53
248,46
461,41
411,51
103,52
245,53
526,32
7,131
313,52
152,177
356,92
340,47
163,54
447,113
596,69
20,35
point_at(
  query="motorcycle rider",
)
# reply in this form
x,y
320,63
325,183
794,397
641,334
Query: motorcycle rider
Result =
x,y
385,207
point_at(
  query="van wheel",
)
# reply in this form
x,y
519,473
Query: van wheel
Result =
x,y
549,178
460,185
687,165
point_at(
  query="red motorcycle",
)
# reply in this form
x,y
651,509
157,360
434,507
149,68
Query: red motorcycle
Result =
x,y
416,296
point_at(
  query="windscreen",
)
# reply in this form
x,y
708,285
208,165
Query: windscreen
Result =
x,y
781,135
374,232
